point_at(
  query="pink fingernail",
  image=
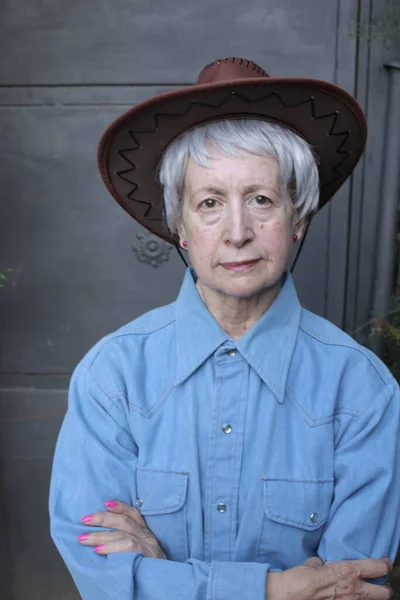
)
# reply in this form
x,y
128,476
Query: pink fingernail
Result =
x,y
111,504
83,537
87,519
99,548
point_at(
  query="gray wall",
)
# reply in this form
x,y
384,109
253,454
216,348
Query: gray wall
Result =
x,y
66,70
371,88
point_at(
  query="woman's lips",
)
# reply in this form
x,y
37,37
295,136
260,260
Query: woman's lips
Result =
x,y
244,265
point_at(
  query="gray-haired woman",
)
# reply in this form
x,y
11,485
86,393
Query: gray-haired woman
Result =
x,y
242,446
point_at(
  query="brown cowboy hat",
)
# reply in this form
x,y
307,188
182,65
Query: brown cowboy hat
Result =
x,y
324,114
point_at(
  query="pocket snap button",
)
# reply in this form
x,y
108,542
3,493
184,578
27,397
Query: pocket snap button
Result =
x,y
314,517
227,428
139,502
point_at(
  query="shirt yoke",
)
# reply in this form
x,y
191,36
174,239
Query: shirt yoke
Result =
x,y
136,362
345,376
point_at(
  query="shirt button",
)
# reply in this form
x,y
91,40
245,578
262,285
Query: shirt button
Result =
x,y
231,352
314,517
221,508
227,428
139,502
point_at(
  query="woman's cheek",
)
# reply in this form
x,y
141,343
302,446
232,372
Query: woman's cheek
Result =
x,y
279,242
203,237
197,238
199,248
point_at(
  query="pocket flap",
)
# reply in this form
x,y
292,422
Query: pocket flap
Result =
x,y
160,492
298,503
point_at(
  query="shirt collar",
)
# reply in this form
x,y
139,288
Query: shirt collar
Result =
x,y
268,346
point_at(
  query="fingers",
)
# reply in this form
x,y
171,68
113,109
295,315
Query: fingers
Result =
x,y
128,521
97,538
110,542
376,592
127,544
130,534
380,567
125,509
351,574
369,568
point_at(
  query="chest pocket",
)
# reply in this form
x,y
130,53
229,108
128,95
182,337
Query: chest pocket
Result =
x,y
161,499
293,518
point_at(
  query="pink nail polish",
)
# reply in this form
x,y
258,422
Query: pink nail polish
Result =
x,y
111,504
83,537
87,519
98,548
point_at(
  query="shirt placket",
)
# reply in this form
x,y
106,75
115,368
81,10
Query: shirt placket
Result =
x,y
225,453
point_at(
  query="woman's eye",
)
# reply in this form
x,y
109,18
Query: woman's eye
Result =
x,y
262,200
209,203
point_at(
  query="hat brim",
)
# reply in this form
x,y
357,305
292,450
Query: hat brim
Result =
x,y
322,113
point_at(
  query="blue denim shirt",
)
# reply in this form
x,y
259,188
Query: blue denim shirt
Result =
x,y
244,456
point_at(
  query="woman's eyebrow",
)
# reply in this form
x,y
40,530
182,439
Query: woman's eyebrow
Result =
x,y
256,187
210,189
248,189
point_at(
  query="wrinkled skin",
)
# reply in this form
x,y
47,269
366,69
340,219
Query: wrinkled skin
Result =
x,y
236,210
340,580
130,532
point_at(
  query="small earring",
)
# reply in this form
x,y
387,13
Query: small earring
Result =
x,y
295,237
184,243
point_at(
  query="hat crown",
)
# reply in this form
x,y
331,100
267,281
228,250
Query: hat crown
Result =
x,y
225,69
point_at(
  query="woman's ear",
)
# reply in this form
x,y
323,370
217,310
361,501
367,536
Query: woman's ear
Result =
x,y
181,232
299,227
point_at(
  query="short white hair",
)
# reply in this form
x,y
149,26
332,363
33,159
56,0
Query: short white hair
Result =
x,y
230,137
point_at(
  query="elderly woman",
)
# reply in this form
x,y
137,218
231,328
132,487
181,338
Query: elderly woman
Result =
x,y
231,444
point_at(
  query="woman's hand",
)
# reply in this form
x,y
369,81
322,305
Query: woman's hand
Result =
x,y
130,534
341,580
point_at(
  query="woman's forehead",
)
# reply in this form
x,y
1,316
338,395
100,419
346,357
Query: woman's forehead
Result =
x,y
247,170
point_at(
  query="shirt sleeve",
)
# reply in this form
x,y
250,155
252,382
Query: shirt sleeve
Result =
x,y
364,516
95,461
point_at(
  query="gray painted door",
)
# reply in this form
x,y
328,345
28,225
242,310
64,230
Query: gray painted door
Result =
x,y
81,266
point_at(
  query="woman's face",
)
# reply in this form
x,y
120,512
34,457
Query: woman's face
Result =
x,y
238,223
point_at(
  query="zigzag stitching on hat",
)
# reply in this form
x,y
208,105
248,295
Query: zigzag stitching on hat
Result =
x,y
310,100
132,134
148,204
339,150
334,115
121,174
157,116
183,114
122,153
130,131
331,132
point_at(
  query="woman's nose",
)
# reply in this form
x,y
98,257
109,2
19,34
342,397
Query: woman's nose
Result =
x,y
239,228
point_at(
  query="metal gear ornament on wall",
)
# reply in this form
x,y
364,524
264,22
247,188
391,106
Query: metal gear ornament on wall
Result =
x,y
151,249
